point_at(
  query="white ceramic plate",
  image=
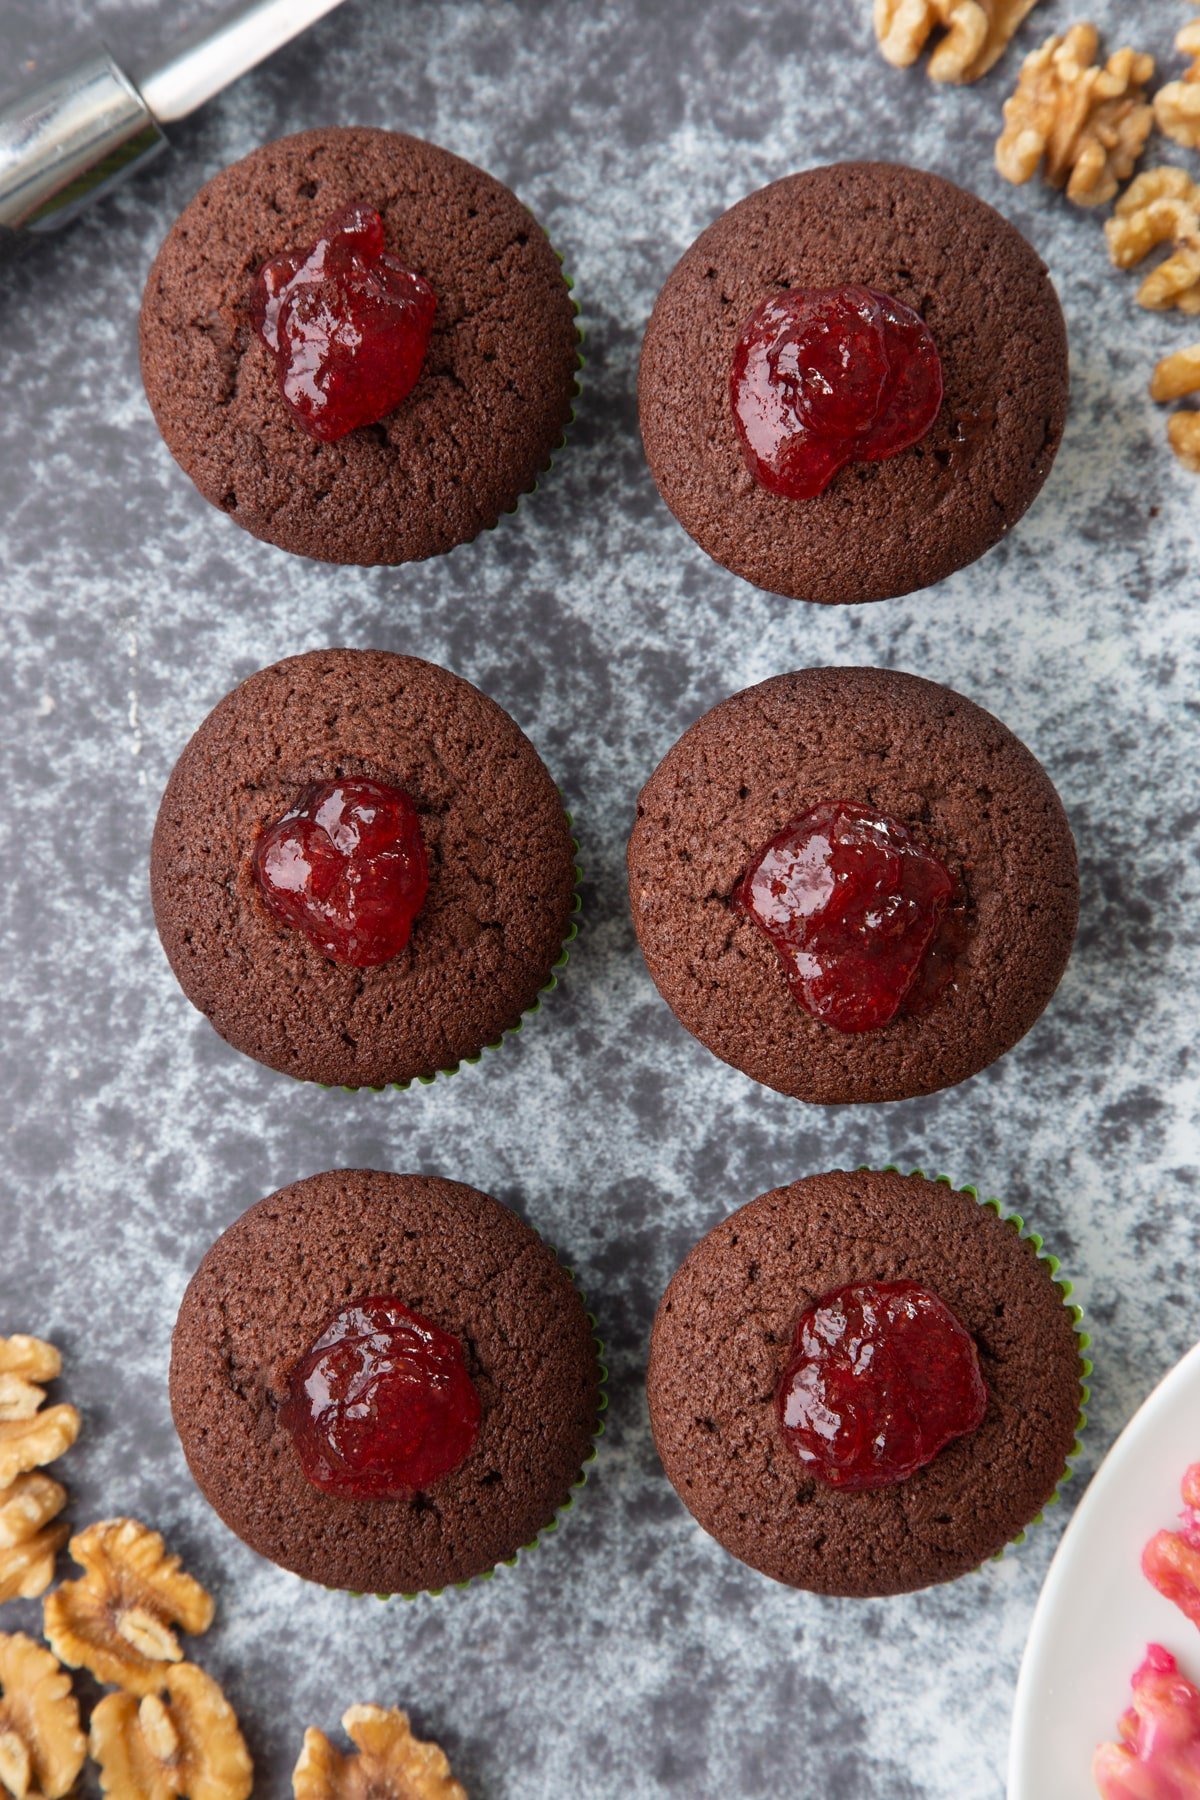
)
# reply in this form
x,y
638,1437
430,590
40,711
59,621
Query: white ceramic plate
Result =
x,y
1097,1612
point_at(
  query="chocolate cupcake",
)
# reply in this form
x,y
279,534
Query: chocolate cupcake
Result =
x,y
384,1382
866,1383
362,872
359,346
853,383
853,884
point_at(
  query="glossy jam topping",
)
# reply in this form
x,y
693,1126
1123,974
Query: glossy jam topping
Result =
x,y
1158,1757
346,866
1171,1560
864,918
382,1404
347,324
823,377
882,1376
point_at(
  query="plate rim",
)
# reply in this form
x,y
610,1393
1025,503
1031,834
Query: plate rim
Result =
x,y
1046,1610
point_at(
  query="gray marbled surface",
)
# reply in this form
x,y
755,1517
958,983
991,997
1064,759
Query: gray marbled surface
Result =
x,y
630,1656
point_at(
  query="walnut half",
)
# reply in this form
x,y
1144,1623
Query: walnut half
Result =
x,y
1085,122
117,1620
184,1743
1175,377
29,1542
977,33
32,1443
1161,207
41,1745
29,1358
391,1763
1177,105
30,1437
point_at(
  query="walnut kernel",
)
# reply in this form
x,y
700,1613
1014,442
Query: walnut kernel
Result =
x,y
977,33
1161,207
19,1399
27,1444
1177,105
30,1358
186,1744
1085,122
1183,435
29,1542
41,1745
391,1763
117,1619
1175,377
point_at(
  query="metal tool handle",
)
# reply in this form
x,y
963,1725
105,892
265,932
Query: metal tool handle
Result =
x,y
64,144
82,132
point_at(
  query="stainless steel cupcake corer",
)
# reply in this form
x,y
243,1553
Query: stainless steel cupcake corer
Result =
x,y
72,138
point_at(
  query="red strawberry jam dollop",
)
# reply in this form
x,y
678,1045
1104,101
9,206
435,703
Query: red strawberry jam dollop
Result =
x,y
382,1405
823,377
882,1376
347,324
860,913
347,866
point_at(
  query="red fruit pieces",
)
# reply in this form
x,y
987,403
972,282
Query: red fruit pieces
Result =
x,y
1171,1560
347,866
823,377
382,1405
1158,1757
347,324
857,911
881,1378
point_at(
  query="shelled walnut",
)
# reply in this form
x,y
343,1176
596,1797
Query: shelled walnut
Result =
x,y
1175,377
29,1541
391,1763
27,1444
30,1358
1177,104
1183,435
185,1742
1085,122
976,33
31,1436
1161,207
42,1747
117,1620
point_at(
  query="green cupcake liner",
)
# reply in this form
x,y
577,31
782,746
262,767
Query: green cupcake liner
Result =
x,y
556,969
1082,1338
552,1525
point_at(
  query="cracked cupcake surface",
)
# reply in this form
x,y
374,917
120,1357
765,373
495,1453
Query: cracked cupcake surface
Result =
x,y
721,1344
494,394
268,1288
880,528
501,871
918,758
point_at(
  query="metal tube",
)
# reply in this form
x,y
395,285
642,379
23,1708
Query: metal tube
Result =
x,y
64,144
83,131
219,52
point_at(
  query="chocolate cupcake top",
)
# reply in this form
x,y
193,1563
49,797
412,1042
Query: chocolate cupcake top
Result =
x,y
495,390
468,1267
722,1340
881,527
495,838
950,778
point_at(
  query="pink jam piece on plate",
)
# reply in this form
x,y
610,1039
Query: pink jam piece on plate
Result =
x,y
1171,1560
1158,1757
